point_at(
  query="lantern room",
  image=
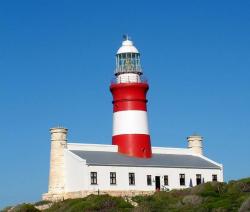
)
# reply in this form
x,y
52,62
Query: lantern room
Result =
x,y
128,58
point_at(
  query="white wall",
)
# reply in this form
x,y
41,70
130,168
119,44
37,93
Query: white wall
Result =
x,y
92,147
75,172
122,178
77,175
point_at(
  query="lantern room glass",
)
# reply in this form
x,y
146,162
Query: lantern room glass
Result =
x,y
128,63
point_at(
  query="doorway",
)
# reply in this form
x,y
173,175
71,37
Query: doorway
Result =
x,y
157,183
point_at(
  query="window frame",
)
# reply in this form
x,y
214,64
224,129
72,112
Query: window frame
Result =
x,y
214,178
182,179
93,178
198,177
112,178
149,180
165,179
131,178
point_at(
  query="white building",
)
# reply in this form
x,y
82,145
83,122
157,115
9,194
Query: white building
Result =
x,y
127,167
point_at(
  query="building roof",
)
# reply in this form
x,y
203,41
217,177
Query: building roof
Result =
x,y
104,158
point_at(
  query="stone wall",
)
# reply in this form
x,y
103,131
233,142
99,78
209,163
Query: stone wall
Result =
x,y
81,194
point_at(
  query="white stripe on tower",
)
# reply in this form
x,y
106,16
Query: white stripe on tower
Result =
x,y
130,122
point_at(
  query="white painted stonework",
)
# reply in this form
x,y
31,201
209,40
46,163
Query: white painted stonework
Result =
x,y
80,181
128,78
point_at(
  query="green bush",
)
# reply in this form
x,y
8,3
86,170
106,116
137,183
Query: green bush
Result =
x,y
91,203
245,206
24,208
43,202
211,196
6,209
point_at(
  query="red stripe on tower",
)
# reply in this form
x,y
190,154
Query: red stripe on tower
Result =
x,y
129,96
130,124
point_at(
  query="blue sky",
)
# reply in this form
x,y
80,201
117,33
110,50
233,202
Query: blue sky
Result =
x,y
57,59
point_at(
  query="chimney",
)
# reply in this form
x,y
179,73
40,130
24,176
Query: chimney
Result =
x,y
195,144
58,144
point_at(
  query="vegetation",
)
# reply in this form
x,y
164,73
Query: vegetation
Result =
x,y
42,202
92,203
212,196
21,208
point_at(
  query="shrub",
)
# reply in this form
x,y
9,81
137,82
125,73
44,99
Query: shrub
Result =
x,y
245,206
239,186
6,209
211,196
43,202
91,203
192,200
159,201
24,208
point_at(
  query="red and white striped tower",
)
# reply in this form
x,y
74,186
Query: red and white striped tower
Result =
x,y
130,122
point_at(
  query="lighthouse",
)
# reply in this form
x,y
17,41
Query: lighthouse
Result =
x,y
130,166
129,90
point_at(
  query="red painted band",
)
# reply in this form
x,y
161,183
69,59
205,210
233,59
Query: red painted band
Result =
x,y
135,145
129,96
129,105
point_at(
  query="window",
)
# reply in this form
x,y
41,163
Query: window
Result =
x,y
165,180
214,177
198,179
131,178
112,178
149,180
93,178
182,179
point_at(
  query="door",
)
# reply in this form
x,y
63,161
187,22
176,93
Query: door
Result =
x,y
157,183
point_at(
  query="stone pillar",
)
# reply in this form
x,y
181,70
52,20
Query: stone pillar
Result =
x,y
195,144
57,164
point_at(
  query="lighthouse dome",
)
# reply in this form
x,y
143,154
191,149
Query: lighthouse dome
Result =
x,y
127,47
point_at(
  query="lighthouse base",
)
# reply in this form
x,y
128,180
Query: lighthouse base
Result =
x,y
134,145
85,193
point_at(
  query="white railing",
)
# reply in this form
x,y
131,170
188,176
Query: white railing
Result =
x,y
128,79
